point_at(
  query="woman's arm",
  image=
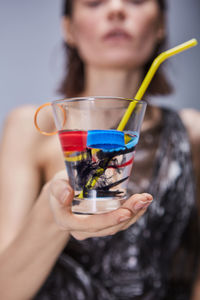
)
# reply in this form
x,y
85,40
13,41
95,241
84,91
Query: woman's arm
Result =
x,y
30,241
27,261
19,173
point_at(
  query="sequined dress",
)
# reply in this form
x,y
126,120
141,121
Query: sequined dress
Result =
x,y
152,260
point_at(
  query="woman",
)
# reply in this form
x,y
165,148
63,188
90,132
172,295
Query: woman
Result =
x,y
45,251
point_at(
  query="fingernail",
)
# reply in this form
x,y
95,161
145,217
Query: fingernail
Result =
x,y
64,195
141,205
148,196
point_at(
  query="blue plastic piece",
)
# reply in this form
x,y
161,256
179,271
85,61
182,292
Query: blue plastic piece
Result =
x,y
105,139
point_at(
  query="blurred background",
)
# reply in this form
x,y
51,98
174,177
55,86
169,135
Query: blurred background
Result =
x,y
31,54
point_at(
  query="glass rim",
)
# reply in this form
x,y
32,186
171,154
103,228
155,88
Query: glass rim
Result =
x,y
91,98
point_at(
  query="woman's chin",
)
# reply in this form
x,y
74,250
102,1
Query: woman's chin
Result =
x,y
118,64
116,61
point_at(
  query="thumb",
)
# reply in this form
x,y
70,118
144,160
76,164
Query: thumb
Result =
x,y
62,193
61,196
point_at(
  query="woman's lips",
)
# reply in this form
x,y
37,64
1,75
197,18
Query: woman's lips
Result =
x,y
117,35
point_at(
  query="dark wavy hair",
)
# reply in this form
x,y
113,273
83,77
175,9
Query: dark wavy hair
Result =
x,y
73,81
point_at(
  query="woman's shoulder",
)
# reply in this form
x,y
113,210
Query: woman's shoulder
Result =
x,y
20,114
20,121
191,120
19,129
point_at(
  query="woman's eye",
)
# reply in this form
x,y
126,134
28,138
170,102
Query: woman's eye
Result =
x,y
137,1
93,3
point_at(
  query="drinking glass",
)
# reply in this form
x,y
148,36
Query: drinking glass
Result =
x,y
98,157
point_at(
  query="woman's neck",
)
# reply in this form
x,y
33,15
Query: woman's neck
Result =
x,y
112,82
119,83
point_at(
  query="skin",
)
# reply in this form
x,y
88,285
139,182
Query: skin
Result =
x,y
35,216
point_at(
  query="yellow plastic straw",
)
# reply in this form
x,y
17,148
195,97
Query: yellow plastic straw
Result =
x,y
156,63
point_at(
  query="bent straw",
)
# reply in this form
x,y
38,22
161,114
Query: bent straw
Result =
x,y
156,63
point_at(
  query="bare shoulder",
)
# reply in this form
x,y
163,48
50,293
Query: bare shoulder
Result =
x,y
19,115
191,120
19,131
19,122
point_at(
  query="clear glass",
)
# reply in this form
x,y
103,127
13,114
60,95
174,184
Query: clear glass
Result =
x,y
98,157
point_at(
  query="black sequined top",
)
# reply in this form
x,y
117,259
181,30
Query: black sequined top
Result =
x,y
155,258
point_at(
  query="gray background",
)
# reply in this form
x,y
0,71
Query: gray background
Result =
x,y
31,55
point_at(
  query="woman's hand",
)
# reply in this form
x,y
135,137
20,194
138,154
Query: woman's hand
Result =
x,y
85,226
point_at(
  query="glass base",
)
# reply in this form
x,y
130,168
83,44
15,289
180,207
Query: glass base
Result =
x,y
90,206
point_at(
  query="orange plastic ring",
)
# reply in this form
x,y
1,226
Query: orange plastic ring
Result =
x,y
36,115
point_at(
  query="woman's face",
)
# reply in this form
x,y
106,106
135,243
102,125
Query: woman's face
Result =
x,y
114,33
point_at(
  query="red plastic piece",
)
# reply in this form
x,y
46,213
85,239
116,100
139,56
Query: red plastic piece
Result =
x,y
73,140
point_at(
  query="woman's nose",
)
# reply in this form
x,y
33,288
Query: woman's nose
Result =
x,y
116,10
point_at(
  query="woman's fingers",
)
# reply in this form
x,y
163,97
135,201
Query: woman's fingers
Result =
x,y
80,235
131,210
136,217
137,202
94,223
61,196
